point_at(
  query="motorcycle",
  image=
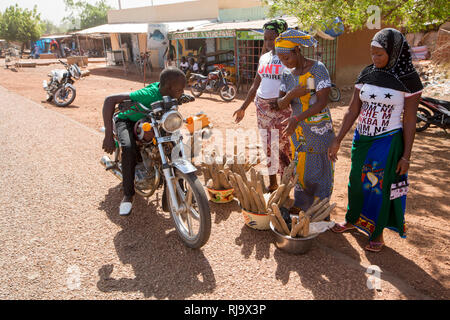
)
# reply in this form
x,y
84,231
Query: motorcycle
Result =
x,y
60,85
163,162
436,112
215,81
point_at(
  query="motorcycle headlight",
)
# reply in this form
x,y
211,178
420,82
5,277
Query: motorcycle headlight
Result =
x,y
172,121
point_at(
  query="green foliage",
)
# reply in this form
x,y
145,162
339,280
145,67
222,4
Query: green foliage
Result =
x,y
50,28
84,15
17,24
413,15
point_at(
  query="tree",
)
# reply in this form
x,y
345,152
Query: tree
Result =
x,y
413,15
50,28
85,15
22,25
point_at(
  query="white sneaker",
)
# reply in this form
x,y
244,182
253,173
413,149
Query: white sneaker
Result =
x,y
125,208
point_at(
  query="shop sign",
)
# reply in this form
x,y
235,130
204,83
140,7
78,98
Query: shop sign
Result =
x,y
204,34
250,35
157,36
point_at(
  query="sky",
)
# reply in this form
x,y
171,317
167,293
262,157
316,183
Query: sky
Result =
x,y
55,10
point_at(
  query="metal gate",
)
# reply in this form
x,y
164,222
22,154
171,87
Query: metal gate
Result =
x,y
249,52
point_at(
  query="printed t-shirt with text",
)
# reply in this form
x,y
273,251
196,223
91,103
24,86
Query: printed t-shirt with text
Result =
x,y
270,70
381,109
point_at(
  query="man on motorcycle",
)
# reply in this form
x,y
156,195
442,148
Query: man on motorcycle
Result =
x,y
171,83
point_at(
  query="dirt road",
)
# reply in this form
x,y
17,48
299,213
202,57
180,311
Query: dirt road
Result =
x,y
62,238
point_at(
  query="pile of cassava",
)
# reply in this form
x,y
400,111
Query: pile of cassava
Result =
x,y
222,173
299,226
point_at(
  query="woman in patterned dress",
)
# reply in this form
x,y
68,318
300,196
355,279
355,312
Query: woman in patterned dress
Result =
x,y
385,102
310,126
264,92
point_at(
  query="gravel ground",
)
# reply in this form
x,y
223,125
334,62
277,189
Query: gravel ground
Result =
x,y
62,238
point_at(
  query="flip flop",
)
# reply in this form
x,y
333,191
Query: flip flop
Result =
x,y
339,228
374,246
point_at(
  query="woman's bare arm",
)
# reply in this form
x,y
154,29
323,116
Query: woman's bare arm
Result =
x,y
409,131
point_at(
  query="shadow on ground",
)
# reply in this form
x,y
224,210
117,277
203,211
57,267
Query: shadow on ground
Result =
x,y
163,266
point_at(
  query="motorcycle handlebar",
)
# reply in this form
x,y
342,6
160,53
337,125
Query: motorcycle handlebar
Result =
x,y
165,104
62,62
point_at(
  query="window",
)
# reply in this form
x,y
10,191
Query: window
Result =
x,y
194,44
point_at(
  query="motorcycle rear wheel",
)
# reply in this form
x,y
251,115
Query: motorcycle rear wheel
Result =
x,y
196,90
228,92
64,97
335,94
422,125
193,225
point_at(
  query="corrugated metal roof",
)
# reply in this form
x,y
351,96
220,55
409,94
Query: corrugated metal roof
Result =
x,y
55,36
239,25
116,28
142,27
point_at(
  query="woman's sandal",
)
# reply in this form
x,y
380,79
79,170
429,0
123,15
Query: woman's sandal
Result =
x,y
339,228
374,246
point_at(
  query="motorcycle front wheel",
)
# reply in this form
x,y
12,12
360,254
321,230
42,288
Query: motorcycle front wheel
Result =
x,y
421,123
196,90
228,92
64,96
193,223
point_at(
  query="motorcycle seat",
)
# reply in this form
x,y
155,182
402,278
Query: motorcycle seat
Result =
x,y
199,76
445,104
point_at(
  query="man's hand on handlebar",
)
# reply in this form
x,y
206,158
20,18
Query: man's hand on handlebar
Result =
x,y
185,98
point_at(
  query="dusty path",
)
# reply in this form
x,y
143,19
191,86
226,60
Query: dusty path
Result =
x,y
62,238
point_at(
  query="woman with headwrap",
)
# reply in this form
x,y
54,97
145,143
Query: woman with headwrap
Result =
x,y
265,88
305,87
383,139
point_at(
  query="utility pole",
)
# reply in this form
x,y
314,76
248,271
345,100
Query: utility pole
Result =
x,y
120,6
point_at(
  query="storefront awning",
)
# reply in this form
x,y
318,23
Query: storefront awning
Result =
x,y
115,28
244,30
225,29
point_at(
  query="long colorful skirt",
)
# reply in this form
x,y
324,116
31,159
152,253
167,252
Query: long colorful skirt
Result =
x,y
316,177
374,162
268,120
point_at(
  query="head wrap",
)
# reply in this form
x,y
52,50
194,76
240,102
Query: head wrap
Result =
x,y
288,40
277,25
399,73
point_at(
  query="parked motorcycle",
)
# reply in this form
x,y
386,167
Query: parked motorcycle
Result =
x,y
215,81
163,161
433,111
60,86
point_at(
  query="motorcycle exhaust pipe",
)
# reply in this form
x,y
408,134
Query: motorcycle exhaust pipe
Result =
x,y
108,163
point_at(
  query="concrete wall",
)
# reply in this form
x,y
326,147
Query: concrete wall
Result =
x,y
243,14
352,55
230,4
185,11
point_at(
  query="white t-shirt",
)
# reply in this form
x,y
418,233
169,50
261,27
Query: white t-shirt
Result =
x,y
184,65
270,70
381,109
